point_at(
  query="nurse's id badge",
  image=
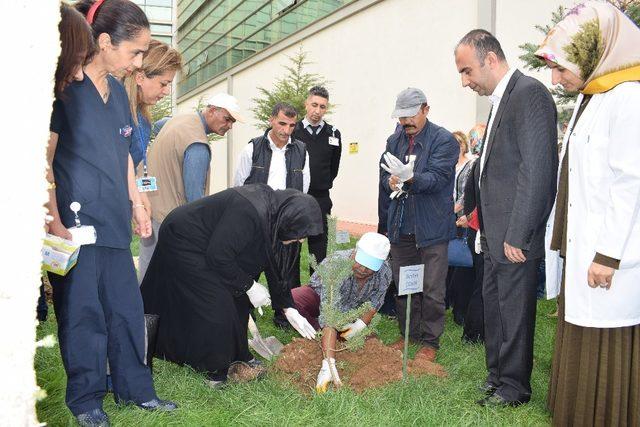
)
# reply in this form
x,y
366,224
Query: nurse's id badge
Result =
x,y
81,234
146,184
334,141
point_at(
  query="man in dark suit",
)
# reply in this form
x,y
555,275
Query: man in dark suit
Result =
x,y
516,186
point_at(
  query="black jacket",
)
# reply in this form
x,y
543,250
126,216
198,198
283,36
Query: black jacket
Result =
x,y
324,158
518,181
295,158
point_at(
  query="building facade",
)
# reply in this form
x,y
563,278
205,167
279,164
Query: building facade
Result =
x,y
369,50
160,15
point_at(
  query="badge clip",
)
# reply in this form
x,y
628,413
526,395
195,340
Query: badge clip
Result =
x,y
81,234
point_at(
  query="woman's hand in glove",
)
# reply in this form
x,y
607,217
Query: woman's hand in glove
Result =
x,y
259,296
324,376
351,329
299,323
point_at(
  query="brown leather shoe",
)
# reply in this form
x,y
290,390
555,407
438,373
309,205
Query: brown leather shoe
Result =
x,y
242,372
428,353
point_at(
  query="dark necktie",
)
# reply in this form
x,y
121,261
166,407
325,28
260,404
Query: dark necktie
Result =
x,y
411,143
314,129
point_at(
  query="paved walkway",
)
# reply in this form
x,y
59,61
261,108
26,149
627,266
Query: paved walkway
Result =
x,y
356,229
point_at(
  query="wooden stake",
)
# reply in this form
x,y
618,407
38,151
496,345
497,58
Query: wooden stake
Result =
x,y
405,354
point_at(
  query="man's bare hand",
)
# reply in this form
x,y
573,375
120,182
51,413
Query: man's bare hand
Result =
x,y
394,183
600,275
514,254
457,208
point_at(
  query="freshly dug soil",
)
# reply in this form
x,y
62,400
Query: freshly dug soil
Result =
x,y
374,365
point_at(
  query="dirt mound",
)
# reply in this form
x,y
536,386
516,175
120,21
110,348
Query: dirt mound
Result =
x,y
374,365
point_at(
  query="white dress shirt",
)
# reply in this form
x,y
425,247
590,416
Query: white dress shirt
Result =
x,y
307,125
277,169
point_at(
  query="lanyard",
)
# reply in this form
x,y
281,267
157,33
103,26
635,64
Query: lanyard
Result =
x,y
143,142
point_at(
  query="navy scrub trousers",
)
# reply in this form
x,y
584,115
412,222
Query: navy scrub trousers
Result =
x,y
99,312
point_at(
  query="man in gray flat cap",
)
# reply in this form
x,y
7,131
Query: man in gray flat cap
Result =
x,y
417,172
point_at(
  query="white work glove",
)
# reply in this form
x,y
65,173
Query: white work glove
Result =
x,y
324,376
351,329
299,323
259,296
397,193
395,167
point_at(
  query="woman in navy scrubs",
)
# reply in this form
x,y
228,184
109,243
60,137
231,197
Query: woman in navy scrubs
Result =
x,y
98,304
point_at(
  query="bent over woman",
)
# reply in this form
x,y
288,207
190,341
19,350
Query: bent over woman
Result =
x,y
200,278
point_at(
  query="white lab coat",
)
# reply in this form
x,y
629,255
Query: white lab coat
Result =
x,y
603,211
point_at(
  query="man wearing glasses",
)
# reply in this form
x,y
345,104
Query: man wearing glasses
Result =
x,y
179,160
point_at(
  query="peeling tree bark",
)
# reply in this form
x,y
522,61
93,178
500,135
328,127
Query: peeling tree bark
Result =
x,y
29,56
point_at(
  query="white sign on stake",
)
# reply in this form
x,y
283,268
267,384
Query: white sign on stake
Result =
x,y
342,236
411,277
410,283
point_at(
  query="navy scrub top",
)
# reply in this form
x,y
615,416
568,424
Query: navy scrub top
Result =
x,y
91,160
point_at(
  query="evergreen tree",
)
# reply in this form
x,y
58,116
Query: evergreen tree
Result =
x,y
293,89
333,271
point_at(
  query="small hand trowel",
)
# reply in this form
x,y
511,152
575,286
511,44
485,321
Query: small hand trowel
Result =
x,y
268,347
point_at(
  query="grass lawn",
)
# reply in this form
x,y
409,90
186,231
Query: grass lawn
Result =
x,y
424,401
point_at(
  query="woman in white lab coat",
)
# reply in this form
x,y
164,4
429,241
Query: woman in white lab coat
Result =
x,y
595,230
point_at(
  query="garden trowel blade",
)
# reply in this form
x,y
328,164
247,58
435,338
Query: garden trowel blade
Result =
x,y
266,347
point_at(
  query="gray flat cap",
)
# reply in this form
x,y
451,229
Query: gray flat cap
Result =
x,y
408,103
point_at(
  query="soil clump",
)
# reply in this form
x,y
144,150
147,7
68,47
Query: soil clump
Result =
x,y
374,365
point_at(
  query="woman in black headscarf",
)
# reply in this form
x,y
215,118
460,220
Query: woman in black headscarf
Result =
x,y
200,278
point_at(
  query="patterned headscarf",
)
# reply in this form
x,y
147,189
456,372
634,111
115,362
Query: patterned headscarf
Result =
x,y
596,42
476,138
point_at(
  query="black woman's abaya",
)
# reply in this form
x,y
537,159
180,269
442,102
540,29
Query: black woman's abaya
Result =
x,y
207,255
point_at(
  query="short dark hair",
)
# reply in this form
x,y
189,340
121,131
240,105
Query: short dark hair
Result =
x,y
287,110
319,91
483,42
121,19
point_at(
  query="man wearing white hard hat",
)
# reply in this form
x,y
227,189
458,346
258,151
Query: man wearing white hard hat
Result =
x,y
179,159
368,283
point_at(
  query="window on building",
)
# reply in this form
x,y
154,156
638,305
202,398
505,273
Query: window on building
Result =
x,y
215,35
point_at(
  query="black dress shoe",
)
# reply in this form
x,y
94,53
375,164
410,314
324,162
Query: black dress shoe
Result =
x,y
497,401
94,418
158,405
487,388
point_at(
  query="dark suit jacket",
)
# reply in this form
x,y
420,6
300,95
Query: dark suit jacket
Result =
x,y
518,182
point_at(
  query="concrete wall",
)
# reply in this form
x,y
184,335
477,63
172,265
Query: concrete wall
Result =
x,y
369,57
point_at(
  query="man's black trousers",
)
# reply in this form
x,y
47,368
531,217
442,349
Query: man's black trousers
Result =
x,y
509,296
